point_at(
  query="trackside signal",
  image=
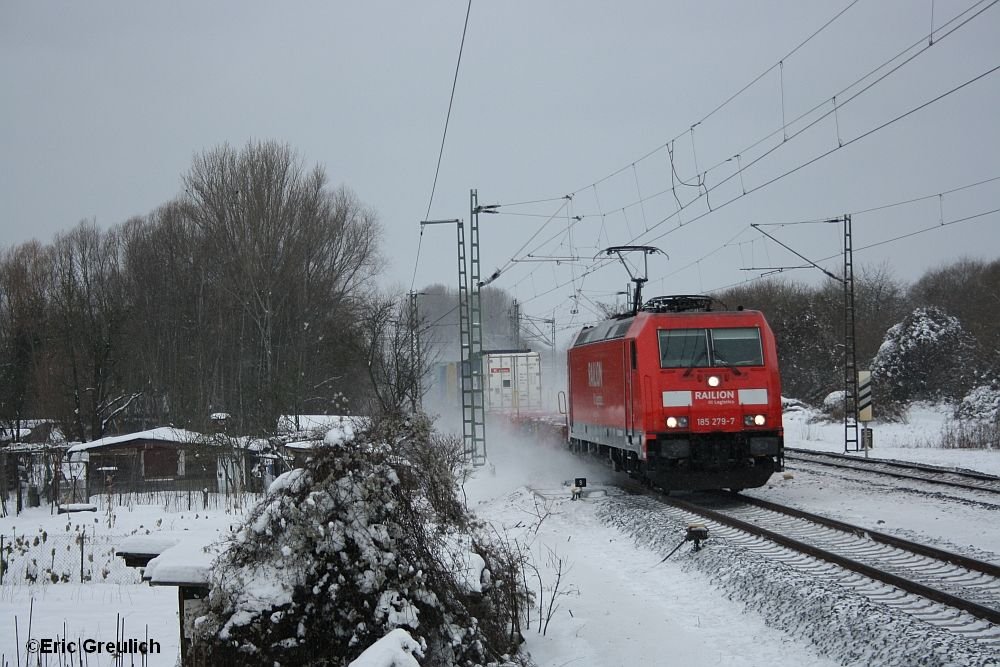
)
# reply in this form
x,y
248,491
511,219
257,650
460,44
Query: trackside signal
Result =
x,y
864,396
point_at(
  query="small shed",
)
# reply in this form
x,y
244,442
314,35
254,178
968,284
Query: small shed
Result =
x,y
183,560
159,459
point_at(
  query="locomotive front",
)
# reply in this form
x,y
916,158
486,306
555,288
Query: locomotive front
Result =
x,y
718,422
684,396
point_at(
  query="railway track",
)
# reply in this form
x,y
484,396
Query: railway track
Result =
x,y
948,477
949,591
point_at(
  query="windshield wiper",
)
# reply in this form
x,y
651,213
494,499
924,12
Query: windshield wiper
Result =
x,y
694,363
724,364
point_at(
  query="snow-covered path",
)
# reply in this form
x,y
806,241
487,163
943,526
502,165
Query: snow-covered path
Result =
x,y
624,607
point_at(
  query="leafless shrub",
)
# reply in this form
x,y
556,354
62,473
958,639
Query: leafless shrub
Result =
x,y
971,434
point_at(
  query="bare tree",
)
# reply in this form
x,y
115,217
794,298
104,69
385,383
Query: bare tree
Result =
x,y
88,315
23,307
395,366
290,257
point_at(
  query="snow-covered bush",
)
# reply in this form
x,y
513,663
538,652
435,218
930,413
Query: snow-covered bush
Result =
x,y
366,540
982,403
396,649
927,356
977,420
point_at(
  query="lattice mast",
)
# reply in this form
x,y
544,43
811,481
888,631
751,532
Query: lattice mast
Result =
x,y
851,441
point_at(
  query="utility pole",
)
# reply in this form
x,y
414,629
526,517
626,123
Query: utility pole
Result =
x,y
416,395
471,331
473,396
473,426
850,328
515,324
850,346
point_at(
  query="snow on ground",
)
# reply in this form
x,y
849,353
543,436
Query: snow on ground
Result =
x,y
89,611
914,440
954,520
622,606
82,611
619,605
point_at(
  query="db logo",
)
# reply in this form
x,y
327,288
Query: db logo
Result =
x,y
595,374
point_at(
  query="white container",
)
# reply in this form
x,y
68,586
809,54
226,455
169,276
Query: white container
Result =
x,y
513,383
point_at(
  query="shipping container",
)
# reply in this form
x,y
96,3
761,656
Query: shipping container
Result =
x,y
513,382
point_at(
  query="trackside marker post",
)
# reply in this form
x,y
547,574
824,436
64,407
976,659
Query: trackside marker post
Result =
x,y
865,409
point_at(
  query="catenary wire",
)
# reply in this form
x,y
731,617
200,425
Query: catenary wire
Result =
x,y
601,263
444,135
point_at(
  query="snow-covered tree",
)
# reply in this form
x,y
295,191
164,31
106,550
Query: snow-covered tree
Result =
x,y
927,356
982,403
341,554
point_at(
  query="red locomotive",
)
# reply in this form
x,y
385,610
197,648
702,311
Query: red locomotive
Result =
x,y
680,395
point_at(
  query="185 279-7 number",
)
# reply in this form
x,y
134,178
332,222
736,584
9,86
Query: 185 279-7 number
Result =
x,y
716,421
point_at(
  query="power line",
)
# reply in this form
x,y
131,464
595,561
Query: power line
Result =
x,y
832,150
882,207
726,102
828,219
744,167
702,176
535,201
924,230
444,135
926,197
878,128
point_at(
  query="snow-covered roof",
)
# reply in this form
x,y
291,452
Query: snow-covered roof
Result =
x,y
181,558
152,544
303,445
163,433
246,442
29,447
286,423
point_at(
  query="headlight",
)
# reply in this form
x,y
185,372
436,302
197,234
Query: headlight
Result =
x,y
754,420
713,381
677,422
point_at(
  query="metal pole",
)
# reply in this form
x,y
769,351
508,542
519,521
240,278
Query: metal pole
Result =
x,y
415,379
850,346
465,337
476,338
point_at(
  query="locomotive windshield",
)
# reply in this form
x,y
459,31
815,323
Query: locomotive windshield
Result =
x,y
689,348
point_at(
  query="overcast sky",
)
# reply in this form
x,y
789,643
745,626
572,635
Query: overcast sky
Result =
x,y
104,105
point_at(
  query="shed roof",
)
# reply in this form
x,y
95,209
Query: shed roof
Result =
x,y
174,558
162,433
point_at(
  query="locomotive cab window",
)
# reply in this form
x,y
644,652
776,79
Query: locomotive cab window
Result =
x,y
736,347
693,348
683,348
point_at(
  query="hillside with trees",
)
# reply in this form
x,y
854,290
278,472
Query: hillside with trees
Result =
x,y
937,339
